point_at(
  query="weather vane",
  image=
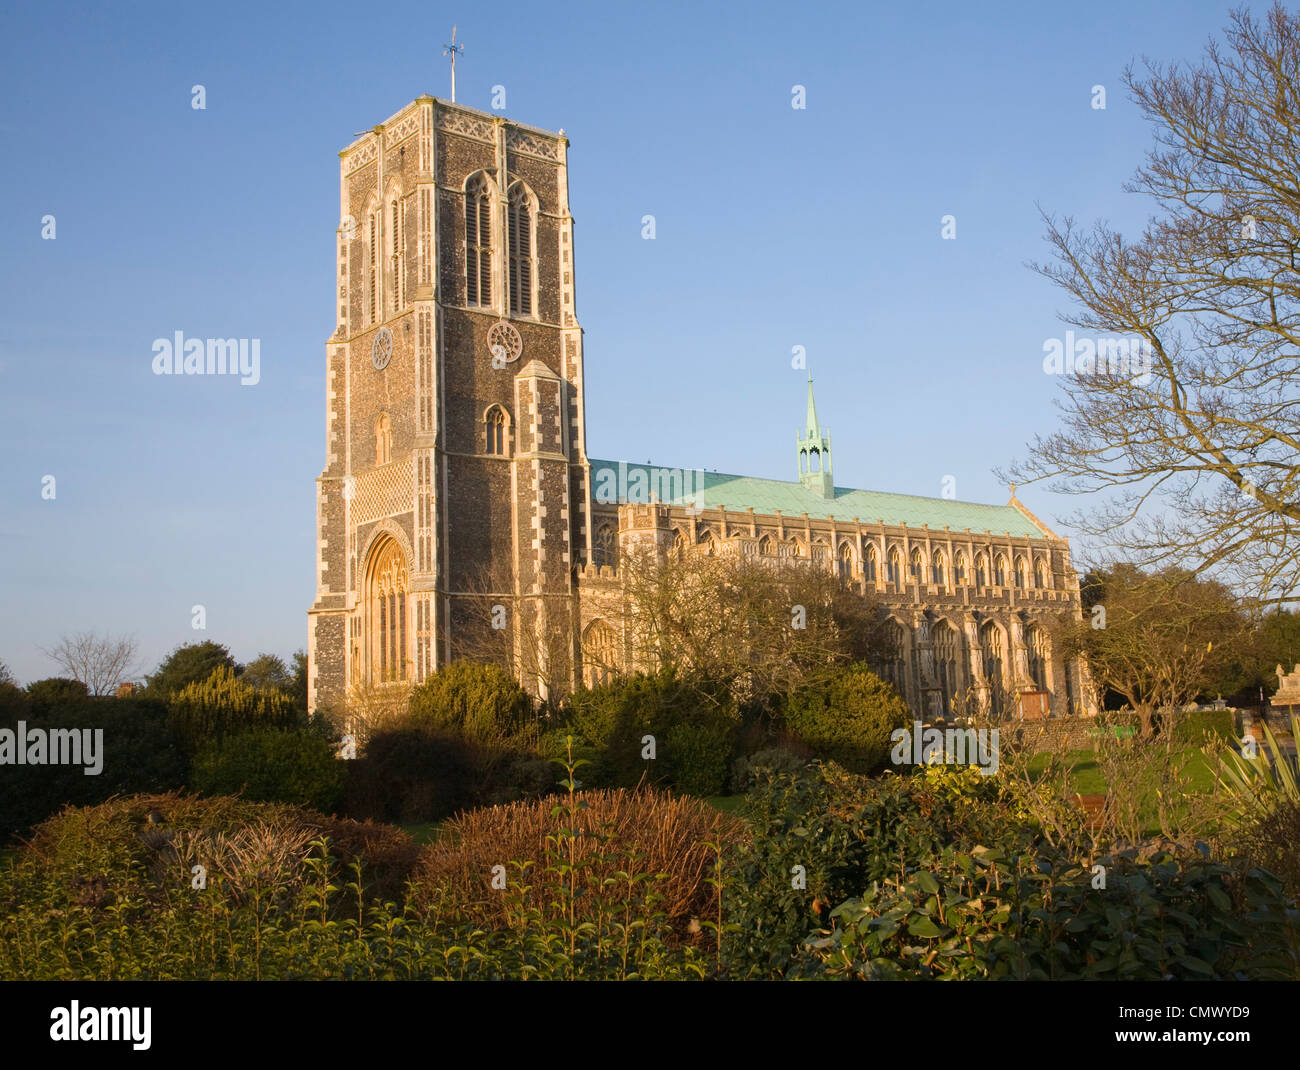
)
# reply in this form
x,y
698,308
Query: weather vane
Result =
x,y
452,50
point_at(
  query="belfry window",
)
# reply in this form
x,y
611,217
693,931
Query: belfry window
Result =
x,y
478,243
396,256
520,219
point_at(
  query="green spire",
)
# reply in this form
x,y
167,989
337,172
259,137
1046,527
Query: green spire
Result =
x,y
815,452
813,430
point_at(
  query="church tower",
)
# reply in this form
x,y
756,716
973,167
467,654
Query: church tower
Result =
x,y
815,452
453,504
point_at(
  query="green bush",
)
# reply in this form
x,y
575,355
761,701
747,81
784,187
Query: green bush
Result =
x,y
698,754
409,774
942,873
847,717
480,702
189,663
140,753
223,705
974,913
772,760
107,894
845,832
1192,726
272,765
694,724
54,692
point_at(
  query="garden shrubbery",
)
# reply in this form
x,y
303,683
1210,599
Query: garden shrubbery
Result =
x,y
694,724
108,893
618,833
944,874
224,705
140,753
272,765
847,717
482,703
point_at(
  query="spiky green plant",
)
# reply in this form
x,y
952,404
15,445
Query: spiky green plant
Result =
x,y
1255,787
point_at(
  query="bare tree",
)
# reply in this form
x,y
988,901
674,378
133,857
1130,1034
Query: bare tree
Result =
x,y
761,626
101,663
1190,431
530,637
1154,639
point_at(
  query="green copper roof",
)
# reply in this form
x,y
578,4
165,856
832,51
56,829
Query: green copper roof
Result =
x,y
620,481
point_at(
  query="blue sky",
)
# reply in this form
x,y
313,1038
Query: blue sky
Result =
x,y
775,228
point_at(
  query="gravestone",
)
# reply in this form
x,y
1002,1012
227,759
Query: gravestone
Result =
x,y
1288,687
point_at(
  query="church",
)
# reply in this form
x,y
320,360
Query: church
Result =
x,y
457,475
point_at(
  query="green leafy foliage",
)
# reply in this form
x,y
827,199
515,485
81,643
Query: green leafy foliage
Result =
x,y
985,914
54,692
479,702
943,874
694,722
189,663
272,765
224,705
141,753
748,769
847,716
108,894
1193,726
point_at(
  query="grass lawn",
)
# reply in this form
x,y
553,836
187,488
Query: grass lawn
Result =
x,y
423,831
1087,778
1089,781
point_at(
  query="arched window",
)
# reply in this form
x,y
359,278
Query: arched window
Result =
x,y
766,546
386,590
959,572
1000,571
372,264
916,565
937,570
896,666
1037,649
495,431
869,564
397,258
383,439
846,560
893,569
521,250
981,570
679,544
946,647
993,654
706,542
599,653
1021,573
478,242
1040,576
605,546
796,550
